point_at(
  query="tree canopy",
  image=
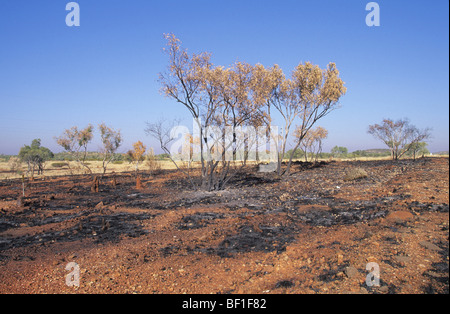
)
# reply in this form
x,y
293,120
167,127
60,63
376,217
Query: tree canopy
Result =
x,y
224,100
35,156
400,136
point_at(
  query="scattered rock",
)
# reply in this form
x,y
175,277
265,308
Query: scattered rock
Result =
x,y
400,216
384,289
363,291
284,284
401,260
298,234
430,246
351,272
24,258
435,274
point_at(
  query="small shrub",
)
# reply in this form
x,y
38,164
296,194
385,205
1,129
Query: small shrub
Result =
x,y
355,174
15,164
151,162
117,162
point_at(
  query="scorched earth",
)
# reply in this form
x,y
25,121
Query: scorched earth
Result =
x,y
312,232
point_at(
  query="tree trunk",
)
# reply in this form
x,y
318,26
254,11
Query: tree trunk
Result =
x,y
288,168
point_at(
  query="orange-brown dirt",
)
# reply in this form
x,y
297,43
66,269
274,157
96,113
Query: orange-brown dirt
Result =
x,y
311,232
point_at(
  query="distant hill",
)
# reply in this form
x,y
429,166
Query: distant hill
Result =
x,y
441,153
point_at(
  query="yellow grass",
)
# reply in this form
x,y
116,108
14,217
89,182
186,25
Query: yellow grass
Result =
x,y
75,168
96,167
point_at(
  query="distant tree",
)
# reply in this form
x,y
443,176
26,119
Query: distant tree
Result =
x,y
75,142
418,148
400,136
359,153
137,154
339,151
111,140
35,156
312,142
162,132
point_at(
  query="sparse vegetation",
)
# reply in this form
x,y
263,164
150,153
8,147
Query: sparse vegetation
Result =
x,y
312,142
151,161
75,142
224,100
400,136
111,140
339,152
137,154
14,164
35,156
355,174
418,149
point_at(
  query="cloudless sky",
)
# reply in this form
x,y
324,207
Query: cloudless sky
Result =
x,y
53,77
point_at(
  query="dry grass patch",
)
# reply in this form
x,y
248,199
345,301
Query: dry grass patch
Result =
x,y
355,174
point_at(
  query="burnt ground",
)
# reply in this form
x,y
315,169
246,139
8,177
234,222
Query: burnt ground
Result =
x,y
312,232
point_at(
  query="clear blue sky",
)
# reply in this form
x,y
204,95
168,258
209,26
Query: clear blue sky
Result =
x,y
53,77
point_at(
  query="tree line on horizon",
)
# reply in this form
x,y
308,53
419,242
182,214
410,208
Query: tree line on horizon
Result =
x,y
35,156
